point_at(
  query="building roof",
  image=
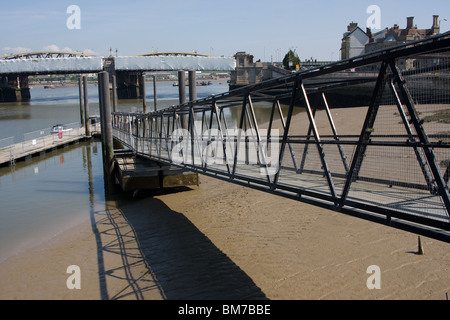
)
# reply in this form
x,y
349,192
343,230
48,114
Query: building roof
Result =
x,y
390,38
348,34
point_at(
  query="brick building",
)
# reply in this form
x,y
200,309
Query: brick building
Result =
x,y
356,41
396,35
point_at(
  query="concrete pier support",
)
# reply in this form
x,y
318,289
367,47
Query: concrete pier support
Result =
x,y
130,85
127,85
14,88
24,88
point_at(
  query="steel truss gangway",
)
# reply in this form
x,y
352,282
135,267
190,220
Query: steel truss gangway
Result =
x,y
376,147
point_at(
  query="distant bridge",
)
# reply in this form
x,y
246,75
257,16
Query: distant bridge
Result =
x,y
32,63
15,69
44,55
185,54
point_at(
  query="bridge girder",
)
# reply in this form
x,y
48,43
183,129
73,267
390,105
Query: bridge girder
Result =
x,y
44,55
185,54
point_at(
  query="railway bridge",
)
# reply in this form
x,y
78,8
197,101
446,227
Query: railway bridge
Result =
x,y
15,69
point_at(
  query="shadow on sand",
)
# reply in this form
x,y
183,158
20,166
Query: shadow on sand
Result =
x,y
181,263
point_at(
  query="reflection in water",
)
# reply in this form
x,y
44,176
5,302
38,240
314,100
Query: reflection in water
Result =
x,y
87,164
47,195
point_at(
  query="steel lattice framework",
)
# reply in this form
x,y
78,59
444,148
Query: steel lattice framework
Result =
x,y
44,55
184,54
301,137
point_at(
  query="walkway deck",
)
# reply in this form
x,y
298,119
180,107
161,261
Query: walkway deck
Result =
x,y
28,149
136,173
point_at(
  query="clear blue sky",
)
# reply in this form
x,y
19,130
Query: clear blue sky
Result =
x,y
264,28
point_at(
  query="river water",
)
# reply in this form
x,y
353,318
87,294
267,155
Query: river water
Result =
x,y
51,193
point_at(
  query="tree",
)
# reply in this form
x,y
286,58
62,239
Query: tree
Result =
x,y
291,60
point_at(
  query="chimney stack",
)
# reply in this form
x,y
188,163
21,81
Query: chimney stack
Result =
x,y
352,26
410,23
436,28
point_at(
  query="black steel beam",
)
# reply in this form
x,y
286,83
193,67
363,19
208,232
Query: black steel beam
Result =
x,y
365,133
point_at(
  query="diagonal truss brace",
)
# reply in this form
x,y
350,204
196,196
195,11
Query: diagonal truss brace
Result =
x,y
437,182
442,189
366,132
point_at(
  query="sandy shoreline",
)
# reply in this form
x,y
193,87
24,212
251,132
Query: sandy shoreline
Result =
x,y
222,241
285,249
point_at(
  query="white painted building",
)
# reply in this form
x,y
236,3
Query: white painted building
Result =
x,y
353,42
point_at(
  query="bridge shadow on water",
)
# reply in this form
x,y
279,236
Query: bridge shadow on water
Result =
x,y
164,255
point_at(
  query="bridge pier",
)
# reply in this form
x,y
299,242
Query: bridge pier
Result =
x,y
14,88
129,84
